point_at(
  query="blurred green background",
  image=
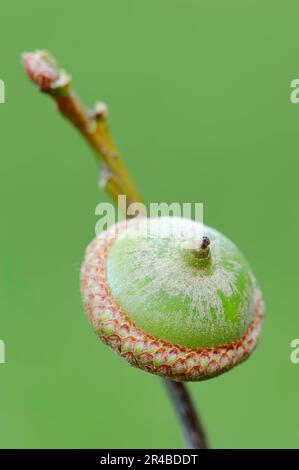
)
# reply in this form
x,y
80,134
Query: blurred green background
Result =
x,y
198,94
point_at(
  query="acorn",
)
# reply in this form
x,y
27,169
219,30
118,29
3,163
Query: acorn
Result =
x,y
172,297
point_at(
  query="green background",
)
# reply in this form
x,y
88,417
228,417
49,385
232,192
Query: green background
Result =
x,y
199,101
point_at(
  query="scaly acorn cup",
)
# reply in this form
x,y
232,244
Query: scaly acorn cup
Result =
x,y
170,299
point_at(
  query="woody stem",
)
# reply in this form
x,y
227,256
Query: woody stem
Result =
x,y
192,428
116,180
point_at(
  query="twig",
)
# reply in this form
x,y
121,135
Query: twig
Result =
x,y
186,413
44,72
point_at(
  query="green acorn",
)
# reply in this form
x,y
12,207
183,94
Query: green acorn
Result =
x,y
170,299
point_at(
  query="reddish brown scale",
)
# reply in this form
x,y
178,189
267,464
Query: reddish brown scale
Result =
x,y
40,70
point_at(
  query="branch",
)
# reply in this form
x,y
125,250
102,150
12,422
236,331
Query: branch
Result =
x,y
44,72
186,413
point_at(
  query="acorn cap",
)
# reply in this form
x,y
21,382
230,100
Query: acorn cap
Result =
x,y
170,299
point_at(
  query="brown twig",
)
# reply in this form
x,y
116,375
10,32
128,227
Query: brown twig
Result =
x,y
187,414
43,71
